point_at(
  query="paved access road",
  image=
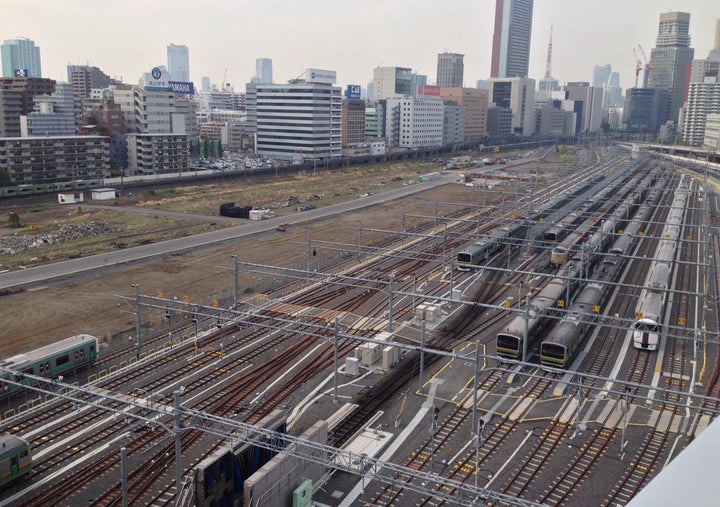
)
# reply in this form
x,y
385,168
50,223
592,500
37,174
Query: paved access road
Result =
x,y
44,273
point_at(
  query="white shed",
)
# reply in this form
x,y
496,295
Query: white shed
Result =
x,y
70,197
103,194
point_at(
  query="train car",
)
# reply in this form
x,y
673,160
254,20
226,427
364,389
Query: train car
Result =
x,y
554,233
509,342
51,360
15,458
479,252
564,340
647,329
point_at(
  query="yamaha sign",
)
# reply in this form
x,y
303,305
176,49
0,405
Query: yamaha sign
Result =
x,y
182,87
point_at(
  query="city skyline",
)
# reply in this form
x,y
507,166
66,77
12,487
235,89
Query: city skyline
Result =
x,y
224,36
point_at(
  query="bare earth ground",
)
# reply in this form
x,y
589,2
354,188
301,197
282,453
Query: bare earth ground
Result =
x,y
90,304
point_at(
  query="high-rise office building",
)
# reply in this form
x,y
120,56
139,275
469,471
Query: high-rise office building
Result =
x,y
601,75
178,59
17,98
450,70
516,95
587,102
613,93
311,110
263,71
391,82
395,81
85,78
413,123
475,102
511,38
52,115
645,109
20,58
671,58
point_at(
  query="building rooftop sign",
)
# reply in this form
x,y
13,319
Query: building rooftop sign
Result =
x,y
320,76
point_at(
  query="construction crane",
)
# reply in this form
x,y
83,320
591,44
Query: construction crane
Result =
x,y
648,67
638,67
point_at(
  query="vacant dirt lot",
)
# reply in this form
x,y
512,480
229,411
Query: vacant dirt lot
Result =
x,y
91,304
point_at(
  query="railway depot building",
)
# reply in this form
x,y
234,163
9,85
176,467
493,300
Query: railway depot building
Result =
x,y
29,160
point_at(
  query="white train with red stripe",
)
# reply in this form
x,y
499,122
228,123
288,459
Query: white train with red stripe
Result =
x,y
647,329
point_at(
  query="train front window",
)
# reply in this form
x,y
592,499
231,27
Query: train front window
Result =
x,y
650,327
506,341
553,350
464,257
62,360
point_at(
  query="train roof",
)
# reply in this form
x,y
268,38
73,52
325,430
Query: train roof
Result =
x,y
10,443
49,350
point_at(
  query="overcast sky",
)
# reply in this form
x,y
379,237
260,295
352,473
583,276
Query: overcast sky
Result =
x,y
126,38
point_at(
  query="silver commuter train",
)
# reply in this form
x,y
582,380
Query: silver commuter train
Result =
x,y
633,191
563,342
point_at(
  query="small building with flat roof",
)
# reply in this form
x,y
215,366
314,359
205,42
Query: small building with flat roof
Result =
x,y
103,194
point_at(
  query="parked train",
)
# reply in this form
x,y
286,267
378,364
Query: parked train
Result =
x,y
632,193
647,329
563,342
44,188
49,361
479,252
15,458
543,307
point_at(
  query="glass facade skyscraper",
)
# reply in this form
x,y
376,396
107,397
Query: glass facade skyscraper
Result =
x,y
178,59
511,39
671,58
450,69
20,58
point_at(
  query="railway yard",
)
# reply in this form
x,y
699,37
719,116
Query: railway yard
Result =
x,y
556,345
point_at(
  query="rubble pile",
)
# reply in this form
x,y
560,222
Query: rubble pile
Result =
x,y
18,242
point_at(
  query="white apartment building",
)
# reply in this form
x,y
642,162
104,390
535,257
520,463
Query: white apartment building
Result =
x,y
703,99
54,158
414,122
157,153
712,132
